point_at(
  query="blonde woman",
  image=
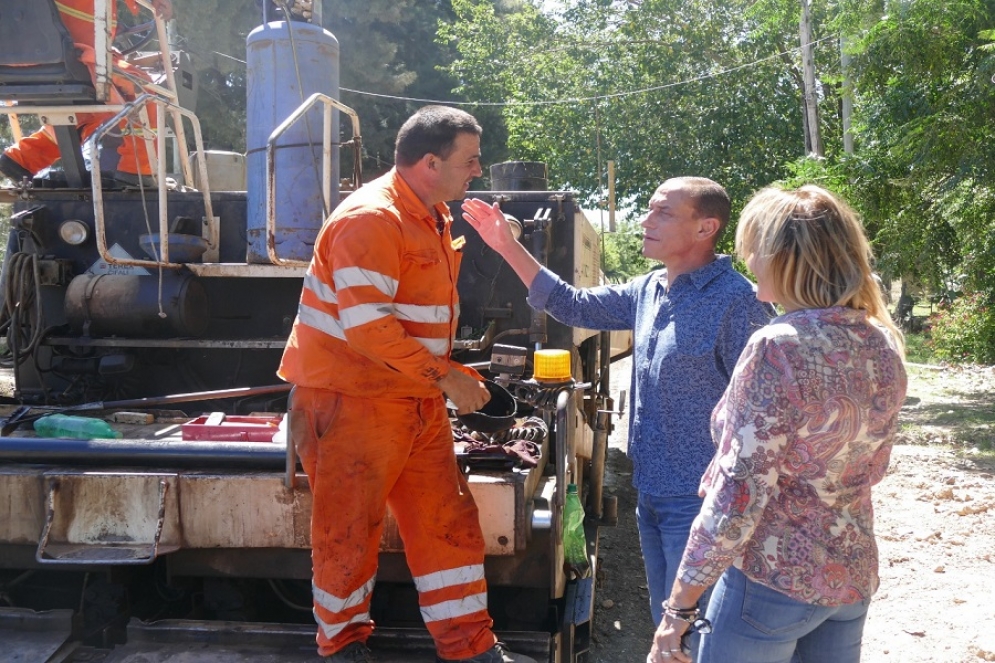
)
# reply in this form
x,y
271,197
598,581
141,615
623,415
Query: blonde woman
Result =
x,y
786,531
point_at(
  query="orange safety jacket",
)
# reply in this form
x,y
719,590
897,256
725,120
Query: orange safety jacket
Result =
x,y
77,15
379,306
40,149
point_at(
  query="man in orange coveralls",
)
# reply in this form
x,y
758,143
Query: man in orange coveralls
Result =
x,y
369,355
40,150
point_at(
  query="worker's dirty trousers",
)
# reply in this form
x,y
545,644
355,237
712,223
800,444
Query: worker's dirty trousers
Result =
x,y
361,455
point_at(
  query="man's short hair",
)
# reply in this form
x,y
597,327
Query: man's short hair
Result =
x,y
432,130
709,198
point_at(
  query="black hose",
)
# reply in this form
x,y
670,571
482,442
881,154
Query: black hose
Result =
x,y
161,454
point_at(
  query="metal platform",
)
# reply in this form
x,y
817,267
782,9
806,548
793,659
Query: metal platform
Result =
x,y
213,642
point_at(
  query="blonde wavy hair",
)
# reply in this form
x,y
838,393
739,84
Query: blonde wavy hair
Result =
x,y
813,247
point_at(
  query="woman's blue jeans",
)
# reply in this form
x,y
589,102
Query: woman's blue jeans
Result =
x,y
752,623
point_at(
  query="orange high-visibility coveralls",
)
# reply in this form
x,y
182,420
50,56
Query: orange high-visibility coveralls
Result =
x,y
40,149
373,334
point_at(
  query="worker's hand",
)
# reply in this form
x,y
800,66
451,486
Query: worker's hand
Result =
x,y
466,392
163,8
489,222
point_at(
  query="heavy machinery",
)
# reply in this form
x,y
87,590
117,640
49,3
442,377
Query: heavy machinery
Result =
x,y
123,301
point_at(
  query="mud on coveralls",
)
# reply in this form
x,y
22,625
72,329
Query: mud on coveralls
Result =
x,y
40,150
373,334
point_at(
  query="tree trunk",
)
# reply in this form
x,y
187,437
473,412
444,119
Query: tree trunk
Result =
x,y
813,137
847,97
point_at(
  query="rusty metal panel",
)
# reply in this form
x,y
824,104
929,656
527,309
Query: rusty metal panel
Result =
x,y
248,510
22,504
215,510
504,503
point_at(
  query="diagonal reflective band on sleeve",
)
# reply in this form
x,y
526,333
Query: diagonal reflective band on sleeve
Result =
x,y
321,321
321,290
351,277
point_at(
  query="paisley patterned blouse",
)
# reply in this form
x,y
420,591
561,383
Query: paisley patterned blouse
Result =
x,y
802,433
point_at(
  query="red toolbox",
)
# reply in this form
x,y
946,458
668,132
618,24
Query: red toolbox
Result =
x,y
219,427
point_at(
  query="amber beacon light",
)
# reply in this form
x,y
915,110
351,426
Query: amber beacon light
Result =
x,y
552,366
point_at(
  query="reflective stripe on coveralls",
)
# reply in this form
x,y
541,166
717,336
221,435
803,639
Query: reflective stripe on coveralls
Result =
x,y
335,605
362,314
379,307
361,454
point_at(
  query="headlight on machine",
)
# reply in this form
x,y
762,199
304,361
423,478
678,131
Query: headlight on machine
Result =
x,y
73,232
516,226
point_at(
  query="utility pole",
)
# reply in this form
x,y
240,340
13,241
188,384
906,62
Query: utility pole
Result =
x,y
847,97
813,136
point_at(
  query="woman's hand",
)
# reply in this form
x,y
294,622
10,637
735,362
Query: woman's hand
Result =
x,y
667,641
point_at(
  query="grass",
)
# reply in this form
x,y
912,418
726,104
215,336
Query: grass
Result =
x,y
952,406
918,349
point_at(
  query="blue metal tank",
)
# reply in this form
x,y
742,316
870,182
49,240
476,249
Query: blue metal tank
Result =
x,y
287,62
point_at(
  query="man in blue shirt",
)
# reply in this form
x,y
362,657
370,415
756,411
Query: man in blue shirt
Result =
x,y
690,322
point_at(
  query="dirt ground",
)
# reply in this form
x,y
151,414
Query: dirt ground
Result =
x,y
935,524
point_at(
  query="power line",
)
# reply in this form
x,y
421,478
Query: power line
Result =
x,y
576,100
573,100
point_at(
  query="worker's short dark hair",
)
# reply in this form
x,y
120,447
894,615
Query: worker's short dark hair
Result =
x,y
432,130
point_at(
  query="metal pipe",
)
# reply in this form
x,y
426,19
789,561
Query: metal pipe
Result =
x,y
542,520
602,425
562,450
191,397
290,469
540,251
130,453
271,146
598,463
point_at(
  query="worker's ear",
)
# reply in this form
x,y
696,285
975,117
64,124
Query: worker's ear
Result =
x,y
430,161
708,227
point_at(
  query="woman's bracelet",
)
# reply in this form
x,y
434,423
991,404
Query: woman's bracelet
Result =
x,y
688,615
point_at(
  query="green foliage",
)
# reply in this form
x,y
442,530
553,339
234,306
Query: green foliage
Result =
x,y
964,330
924,173
622,253
919,348
657,86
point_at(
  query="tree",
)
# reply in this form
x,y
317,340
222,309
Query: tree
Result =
x,y
622,254
923,174
663,87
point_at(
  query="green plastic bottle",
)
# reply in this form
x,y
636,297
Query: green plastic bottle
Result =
x,y
574,541
76,428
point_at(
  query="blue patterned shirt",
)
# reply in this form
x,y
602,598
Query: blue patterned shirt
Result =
x,y
686,343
